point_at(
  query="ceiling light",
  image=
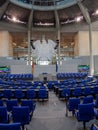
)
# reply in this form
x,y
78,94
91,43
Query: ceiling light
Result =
x,y
14,19
78,19
96,12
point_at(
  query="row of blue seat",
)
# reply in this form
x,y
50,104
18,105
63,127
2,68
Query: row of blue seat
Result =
x,y
17,126
71,75
85,110
78,92
28,94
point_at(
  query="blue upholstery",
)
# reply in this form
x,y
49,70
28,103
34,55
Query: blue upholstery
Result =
x,y
29,103
8,94
85,113
42,94
30,94
65,93
77,92
10,104
18,94
72,105
88,99
1,103
94,127
87,91
21,114
12,126
3,114
96,102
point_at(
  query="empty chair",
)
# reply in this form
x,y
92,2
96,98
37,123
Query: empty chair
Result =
x,y
95,90
21,114
96,102
1,103
66,93
18,94
77,92
3,114
29,103
88,99
10,104
8,94
85,113
94,127
42,94
72,105
87,91
30,94
12,126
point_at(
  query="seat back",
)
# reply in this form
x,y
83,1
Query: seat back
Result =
x,y
3,114
73,103
8,93
21,114
12,126
77,92
88,99
87,91
10,104
18,94
66,92
42,94
29,103
86,112
30,94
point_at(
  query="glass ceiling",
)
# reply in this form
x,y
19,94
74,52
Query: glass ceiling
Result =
x,y
45,5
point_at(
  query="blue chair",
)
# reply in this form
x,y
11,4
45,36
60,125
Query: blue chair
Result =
x,y
94,127
85,113
21,114
72,105
3,114
77,92
95,90
88,99
18,94
8,94
12,126
10,104
42,94
1,103
96,102
66,93
31,105
30,94
87,91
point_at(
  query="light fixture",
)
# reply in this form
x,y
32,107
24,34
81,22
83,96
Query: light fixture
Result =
x,y
14,19
78,19
96,12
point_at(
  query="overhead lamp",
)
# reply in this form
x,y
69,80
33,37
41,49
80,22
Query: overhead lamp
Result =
x,y
78,19
96,12
14,19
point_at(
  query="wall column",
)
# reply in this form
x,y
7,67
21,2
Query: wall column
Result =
x,y
29,49
91,51
6,48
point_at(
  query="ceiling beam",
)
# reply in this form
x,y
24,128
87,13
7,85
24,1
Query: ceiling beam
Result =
x,y
84,12
3,8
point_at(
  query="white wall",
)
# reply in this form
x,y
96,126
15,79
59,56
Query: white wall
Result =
x,y
39,69
21,69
